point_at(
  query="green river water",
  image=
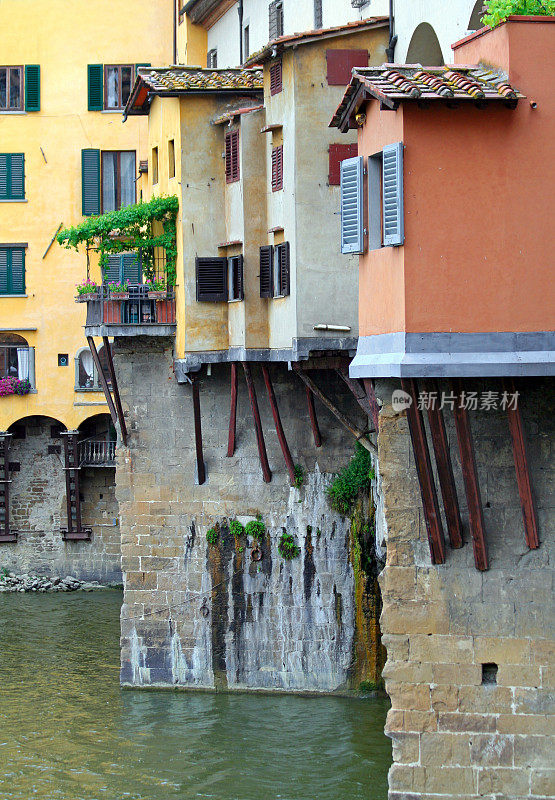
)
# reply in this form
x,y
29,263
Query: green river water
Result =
x,y
68,732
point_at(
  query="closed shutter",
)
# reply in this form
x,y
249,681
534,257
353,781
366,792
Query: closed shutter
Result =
x,y
3,270
284,268
237,266
211,279
340,64
392,192
131,268
95,73
276,77
4,175
232,156
18,271
337,154
90,182
32,87
111,272
352,211
266,271
12,176
277,168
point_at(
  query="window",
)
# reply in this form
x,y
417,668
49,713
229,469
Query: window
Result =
x,y
118,80
341,62
154,165
11,88
276,84
337,154
318,14
235,277
232,156
86,374
275,270
277,168
12,176
219,279
12,269
171,158
212,58
246,42
275,12
118,179
15,357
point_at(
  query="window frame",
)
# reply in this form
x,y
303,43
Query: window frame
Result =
x,y
171,158
212,58
21,106
155,165
231,288
119,67
96,385
118,182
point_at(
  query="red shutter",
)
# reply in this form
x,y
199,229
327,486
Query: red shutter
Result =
x,y
337,154
232,156
276,84
277,168
340,64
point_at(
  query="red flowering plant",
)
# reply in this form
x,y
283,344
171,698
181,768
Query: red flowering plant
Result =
x,y
11,385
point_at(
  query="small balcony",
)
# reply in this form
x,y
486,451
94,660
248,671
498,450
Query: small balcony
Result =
x,y
137,312
17,369
97,453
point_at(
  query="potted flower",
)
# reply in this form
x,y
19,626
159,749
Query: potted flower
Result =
x,y
11,385
156,288
87,290
119,291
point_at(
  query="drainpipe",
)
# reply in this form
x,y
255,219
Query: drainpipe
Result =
x,y
240,12
175,13
390,50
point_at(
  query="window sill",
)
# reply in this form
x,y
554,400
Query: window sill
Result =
x,y
16,200
13,113
236,300
112,111
13,295
96,389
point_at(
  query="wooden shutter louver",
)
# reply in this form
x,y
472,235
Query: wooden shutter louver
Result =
x,y
95,75
90,182
276,77
131,268
232,156
4,175
3,270
237,267
211,279
12,176
392,192
32,87
352,211
277,168
18,271
111,272
266,270
284,267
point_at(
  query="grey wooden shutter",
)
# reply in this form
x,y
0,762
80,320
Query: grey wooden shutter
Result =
x,y
392,192
266,270
3,270
18,270
95,77
32,87
352,209
90,179
211,279
275,19
284,269
17,178
111,272
130,268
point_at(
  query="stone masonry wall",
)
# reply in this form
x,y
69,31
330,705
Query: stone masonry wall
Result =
x,y
38,512
197,615
459,732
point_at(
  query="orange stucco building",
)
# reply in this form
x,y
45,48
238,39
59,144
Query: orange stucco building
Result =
x,y
464,285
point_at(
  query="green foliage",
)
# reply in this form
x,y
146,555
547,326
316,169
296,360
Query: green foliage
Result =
x,y
351,481
255,528
370,686
498,10
299,476
287,547
130,228
212,536
236,528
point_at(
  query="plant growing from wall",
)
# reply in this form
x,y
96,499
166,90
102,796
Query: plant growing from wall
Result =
x,y
287,548
143,227
255,529
236,529
351,481
212,536
498,10
299,476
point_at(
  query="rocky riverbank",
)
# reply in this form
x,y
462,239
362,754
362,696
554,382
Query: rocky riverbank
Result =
x,y
10,582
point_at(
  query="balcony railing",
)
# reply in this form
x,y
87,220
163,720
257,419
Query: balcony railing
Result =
x,y
97,453
18,362
138,307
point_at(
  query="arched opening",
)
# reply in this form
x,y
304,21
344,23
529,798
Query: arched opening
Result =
x,y
475,22
424,47
14,356
86,374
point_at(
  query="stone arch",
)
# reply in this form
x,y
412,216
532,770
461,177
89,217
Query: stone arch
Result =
x,y
475,21
424,47
98,425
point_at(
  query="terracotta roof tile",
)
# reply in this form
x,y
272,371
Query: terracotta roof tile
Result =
x,y
190,79
228,115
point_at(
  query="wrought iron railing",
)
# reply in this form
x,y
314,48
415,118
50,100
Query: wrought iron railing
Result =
x,y
138,306
97,453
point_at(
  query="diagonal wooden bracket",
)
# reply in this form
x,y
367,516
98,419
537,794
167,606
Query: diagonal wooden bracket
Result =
x,y
201,470
313,418
6,535
266,472
279,427
115,388
359,394
232,412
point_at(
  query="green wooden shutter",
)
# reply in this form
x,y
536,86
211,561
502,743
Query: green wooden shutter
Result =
x,y
95,74
141,65
90,181
111,272
17,270
131,268
32,87
4,175
16,186
3,270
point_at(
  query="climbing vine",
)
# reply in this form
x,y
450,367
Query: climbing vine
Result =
x,y
498,10
135,227
351,481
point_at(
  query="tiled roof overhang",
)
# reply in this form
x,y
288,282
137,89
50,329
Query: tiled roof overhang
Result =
x,y
176,81
230,115
451,85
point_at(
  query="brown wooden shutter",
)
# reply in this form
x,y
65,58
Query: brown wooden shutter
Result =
x,y
337,154
211,279
277,168
232,156
284,268
276,84
340,64
266,270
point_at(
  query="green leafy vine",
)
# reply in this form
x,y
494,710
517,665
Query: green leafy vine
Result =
x,y
499,10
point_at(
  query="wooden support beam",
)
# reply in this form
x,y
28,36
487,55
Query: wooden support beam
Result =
x,y
6,535
470,477
375,409
115,389
428,493
313,418
232,411
351,427
266,472
518,440
201,470
103,381
279,427
75,530
359,394
444,467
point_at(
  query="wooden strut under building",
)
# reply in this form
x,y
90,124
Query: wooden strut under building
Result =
x,y
115,408
74,530
279,427
201,470
232,412
6,534
266,472
313,418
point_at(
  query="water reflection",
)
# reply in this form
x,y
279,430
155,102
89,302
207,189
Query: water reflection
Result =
x,y
67,731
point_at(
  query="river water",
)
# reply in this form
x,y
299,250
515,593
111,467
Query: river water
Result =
x,y
68,732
